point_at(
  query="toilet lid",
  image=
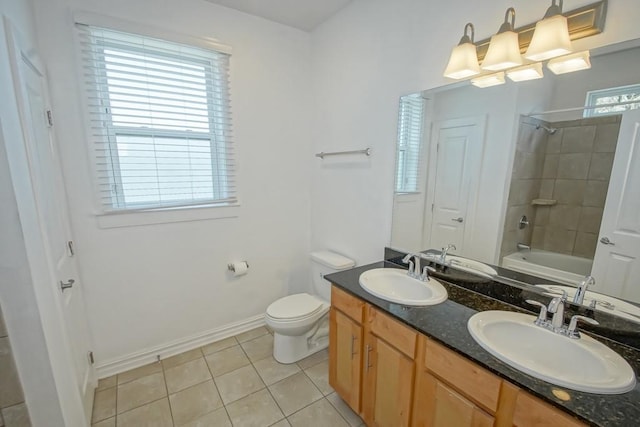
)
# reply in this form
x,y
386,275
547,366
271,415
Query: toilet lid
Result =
x,y
294,307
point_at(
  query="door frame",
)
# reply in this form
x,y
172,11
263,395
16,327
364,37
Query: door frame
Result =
x,y
49,305
480,123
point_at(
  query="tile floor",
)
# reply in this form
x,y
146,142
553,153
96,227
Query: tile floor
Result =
x,y
233,382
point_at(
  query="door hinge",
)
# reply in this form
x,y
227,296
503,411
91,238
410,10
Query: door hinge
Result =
x,y
90,357
70,250
432,205
49,118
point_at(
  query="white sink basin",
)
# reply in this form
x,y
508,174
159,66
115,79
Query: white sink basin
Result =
x,y
395,285
579,364
604,303
471,266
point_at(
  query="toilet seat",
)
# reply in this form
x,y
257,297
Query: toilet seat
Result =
x,y
295,307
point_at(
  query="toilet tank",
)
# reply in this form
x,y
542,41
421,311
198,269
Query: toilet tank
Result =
x,y
326,262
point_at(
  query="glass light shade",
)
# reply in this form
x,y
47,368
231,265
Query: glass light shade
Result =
x,y
489,80
526,72
463,62
503,53
550,39
569,63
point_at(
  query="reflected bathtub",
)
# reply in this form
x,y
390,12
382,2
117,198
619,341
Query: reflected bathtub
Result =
x,y
567,269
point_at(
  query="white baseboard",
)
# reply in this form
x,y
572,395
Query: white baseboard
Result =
x,y
149,355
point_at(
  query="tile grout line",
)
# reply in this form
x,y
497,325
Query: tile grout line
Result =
x,y
166,388
213,378
265,384
340,413
115,416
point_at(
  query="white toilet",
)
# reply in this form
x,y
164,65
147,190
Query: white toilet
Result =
x,y
300,322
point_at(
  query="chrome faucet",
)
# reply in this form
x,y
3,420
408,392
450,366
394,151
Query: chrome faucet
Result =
x,y
443,254
556,307
578,298
414,267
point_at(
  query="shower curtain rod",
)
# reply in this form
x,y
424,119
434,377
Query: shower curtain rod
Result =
x,y
591,107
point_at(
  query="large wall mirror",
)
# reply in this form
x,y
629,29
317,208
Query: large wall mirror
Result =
x,y
524,177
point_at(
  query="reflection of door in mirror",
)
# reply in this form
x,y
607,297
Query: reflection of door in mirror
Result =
x,y
617,259
452,183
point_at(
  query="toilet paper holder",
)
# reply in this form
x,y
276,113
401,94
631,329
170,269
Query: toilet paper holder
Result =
x,y
231,266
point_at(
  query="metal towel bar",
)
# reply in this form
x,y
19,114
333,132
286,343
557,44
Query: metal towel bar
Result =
x,y
366,151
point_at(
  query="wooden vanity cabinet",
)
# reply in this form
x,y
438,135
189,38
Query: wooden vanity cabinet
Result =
x,y
452,391
389,370
345,346
393,376
371,361
532,412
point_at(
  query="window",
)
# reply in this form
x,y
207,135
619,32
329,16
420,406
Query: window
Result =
x,y
614,100
160,121
410,122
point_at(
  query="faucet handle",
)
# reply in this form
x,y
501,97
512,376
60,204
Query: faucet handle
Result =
x,y
542,316
425,273
572,331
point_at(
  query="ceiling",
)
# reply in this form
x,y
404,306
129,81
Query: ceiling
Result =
x,y
302,14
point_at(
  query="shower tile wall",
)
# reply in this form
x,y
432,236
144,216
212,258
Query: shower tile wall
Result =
x,y
526,182
13,410
572,166
576,171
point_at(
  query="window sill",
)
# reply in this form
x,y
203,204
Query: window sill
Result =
x,y
165,216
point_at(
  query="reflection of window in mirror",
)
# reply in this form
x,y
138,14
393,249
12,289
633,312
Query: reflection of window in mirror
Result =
x,y
410,122
613,100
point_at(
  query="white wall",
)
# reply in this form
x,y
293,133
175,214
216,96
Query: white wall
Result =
x,y
364,58
147,286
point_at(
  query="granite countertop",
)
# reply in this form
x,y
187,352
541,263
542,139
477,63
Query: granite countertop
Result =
x,y
447,323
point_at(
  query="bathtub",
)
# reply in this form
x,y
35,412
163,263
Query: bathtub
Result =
x,y
567,269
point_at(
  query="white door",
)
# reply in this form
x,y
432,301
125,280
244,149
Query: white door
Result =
x,y
458,154
616,266
50,198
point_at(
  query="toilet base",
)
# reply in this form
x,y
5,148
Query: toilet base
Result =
x,y
290,349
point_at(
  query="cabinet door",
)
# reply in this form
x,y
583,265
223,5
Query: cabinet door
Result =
x,y
437,405
532,412
387,384
345,357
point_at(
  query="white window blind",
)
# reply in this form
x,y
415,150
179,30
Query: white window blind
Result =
x,y
160,121
612,101
410,123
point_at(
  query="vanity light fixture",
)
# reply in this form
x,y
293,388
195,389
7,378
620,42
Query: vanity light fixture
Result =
x,y
463,62
504,48
551,36
526,72
569,63
489,80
